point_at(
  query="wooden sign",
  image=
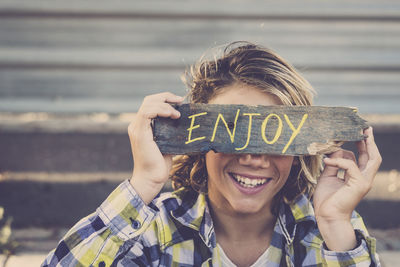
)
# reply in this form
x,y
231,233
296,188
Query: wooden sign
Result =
x,y
287,130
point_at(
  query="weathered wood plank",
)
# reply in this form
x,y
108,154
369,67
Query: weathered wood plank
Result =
x,y
381,105
298,130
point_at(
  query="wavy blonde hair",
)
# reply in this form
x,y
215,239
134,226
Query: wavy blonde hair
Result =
x,y
259,67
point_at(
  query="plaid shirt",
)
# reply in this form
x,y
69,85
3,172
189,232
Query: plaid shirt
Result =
x,y
176,229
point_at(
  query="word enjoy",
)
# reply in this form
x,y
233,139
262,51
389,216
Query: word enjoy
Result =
x,y
231,132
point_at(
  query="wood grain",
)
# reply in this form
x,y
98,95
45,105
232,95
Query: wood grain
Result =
x,y
298,130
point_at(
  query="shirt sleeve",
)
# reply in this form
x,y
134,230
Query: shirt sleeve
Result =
x,y
97,239
363,255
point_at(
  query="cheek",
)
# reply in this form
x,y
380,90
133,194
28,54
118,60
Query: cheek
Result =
x,y
212,160
215,163
209,160
285,165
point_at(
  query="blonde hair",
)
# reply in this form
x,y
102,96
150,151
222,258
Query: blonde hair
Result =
x,y
259,67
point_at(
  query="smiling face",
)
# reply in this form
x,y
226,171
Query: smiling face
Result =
x,y
245,183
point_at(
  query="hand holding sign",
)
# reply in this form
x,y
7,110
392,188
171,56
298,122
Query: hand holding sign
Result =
x,y
335,199
151,169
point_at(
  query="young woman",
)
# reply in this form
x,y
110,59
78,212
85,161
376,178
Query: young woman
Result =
x,y
230,209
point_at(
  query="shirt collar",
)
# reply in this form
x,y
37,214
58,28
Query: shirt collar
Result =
x,y
302,209
296,218
191,209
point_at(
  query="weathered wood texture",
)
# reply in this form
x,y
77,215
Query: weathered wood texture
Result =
x,y
101,56
298,130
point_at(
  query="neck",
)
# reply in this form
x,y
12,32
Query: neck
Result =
x,y
238,227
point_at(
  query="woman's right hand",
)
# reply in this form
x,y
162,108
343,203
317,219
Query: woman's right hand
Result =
x,y
151,168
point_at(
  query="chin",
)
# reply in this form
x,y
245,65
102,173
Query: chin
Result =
x,y
247,207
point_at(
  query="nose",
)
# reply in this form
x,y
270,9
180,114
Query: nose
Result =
x,y
255,160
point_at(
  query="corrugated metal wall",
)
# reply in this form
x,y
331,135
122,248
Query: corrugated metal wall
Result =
x,y
102,56
105,56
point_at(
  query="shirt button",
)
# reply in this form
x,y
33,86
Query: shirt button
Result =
x,y
135,223
102,264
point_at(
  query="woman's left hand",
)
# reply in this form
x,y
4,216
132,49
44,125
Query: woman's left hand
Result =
x,y
336,198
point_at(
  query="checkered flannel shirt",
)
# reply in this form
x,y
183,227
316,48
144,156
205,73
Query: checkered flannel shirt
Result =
x,y
176,229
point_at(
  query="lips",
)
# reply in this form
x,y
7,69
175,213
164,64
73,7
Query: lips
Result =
x,y
249,181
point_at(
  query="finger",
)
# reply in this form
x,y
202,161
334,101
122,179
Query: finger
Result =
x,y
332,170
152,111
354,178
348,165
362,154
164,97
372,149
374,157
141,125
345,154
166,110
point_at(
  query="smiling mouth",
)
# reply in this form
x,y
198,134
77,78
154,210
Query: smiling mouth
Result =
x,y
249,183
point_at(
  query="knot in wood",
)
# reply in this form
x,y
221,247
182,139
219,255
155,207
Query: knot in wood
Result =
x,y
231,125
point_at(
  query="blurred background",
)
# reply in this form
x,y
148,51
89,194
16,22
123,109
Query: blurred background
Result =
x,y
73,74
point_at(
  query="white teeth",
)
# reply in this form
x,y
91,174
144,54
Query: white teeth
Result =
x,y
246,182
